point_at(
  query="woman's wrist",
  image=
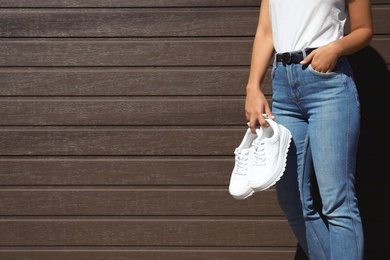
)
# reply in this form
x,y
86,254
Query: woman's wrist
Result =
x,y
252,87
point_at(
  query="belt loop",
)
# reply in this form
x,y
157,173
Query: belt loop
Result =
x,y
275,59
304,53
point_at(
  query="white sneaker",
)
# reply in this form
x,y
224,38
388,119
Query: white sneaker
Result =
x,y
270,155
239,186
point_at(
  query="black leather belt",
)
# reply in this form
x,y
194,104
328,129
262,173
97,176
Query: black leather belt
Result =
x,y
292,57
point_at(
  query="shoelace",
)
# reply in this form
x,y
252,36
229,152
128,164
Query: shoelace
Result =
x,y
241,162
259,153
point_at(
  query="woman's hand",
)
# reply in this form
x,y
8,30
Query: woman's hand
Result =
x,y
323,59
255,106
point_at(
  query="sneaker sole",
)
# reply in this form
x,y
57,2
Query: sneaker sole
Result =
x,y
283,151
242,194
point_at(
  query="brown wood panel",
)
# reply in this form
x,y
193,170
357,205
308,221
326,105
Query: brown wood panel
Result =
x,y
138,22
151,141
146,232
210,81
136,3
136,52
161,111
147,254
70,190
135,202
125,52
375,2
207,81
130,141
154,202
116,171
380,15
125,3
185,171
135,22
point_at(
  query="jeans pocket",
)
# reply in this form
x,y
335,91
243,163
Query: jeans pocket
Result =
x,y
322,74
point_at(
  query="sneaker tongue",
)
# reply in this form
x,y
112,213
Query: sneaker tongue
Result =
x,y
259,132
260,136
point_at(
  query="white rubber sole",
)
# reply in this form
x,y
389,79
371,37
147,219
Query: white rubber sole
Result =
x,y
242,194
285,140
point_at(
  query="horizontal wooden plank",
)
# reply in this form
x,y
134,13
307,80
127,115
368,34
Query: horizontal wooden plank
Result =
x,y
380,16
132,141
81,141
124,3
125,52
137,3
137,171
116,171
210,81
157,202
169,232
152,141
135,202
147,254
137,52
143,232
129,22
150,22
162,111
163,254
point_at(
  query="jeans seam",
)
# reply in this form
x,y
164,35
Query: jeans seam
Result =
x,y
347,171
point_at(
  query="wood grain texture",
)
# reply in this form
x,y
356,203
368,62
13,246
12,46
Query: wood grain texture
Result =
x,y
113,171
147,254
152,141
151,201
125,52
137,52
138,112
137,22
148,171
125,3
174,81
380,16
118,124
132,141
137,3
146,232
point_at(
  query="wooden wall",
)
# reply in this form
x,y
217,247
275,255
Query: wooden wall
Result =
x,y
118,124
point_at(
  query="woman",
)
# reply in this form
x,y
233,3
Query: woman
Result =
x,y
315,97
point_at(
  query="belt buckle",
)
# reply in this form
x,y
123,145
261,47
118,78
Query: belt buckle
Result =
x,y
286,57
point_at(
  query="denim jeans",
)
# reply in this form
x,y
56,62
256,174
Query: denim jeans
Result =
x,y
322,112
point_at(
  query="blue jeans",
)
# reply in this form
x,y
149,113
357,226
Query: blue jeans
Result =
x,y
322,112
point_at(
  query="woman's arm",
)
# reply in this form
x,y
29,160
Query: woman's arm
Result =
x,y
324,59
256,103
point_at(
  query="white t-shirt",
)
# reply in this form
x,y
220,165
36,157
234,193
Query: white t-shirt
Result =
x,y
300,24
